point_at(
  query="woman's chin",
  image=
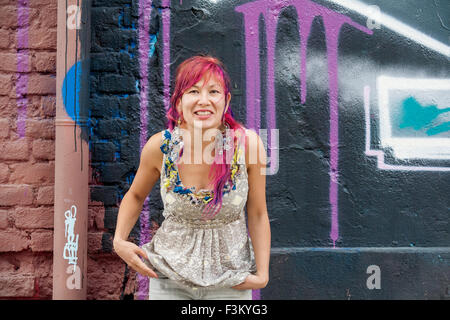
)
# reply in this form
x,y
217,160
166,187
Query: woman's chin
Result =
x,y
205,124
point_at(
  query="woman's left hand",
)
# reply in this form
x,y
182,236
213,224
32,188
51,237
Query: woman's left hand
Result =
x,y
253,281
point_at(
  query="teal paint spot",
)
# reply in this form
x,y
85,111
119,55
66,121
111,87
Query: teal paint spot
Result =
x,y
418,117
153,39
439,129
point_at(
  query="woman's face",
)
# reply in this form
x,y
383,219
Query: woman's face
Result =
x,y
203,106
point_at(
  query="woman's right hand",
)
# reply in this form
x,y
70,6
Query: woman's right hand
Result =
x,y
131,254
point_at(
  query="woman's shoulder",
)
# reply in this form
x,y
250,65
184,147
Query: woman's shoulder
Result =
x,y
153,146
254,148
151,155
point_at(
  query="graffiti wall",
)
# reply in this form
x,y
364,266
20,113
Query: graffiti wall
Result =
x,y
358,94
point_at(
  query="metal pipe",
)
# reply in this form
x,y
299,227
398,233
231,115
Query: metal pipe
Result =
x,y
71,151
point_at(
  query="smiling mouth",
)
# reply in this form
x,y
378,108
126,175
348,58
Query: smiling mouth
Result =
x,y
203,113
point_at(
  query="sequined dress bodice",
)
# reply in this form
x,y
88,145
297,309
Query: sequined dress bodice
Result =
x,y
210,253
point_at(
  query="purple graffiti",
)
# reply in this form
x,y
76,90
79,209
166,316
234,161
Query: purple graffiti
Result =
x,y
306,12
166,51
145,7
22,65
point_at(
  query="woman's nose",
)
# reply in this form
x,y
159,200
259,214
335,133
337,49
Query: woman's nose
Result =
x,y
203,97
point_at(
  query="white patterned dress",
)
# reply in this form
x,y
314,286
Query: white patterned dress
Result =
x,y
195,252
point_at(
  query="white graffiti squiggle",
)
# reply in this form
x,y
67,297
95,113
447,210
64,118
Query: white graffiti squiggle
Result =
x,y
71,247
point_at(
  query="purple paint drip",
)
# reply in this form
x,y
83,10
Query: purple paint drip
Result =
x,y
22,65
166,51
144,24
306,12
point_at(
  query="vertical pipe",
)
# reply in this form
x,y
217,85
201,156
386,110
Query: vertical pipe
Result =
x,y
72,151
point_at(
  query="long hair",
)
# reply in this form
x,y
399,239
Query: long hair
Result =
x,y
188,73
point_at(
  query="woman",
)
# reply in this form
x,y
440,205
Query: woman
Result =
x,y
202,249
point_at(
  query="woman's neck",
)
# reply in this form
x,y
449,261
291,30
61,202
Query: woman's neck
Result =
x,y
198,144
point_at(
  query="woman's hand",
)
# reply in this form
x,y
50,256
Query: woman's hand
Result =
x,y
253,281
131,254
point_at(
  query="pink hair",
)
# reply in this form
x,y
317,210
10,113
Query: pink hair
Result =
x,y
188,73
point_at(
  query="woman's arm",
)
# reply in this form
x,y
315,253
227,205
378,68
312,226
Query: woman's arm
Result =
x,y
131,205
258,220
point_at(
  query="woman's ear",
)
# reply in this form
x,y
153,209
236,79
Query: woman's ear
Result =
x,y
227,105
177,107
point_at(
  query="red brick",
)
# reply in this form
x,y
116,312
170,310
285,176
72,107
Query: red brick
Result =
x,y
41,240
44,149
45,285
11,195
4,220
6,36
8,16
33,108
18,262
8,61
4,173
4,128
8,108
33,218
37,173
51,15
41,84
44,129
105,276
43,62
42,269
36,16
95,242
41,4
48,106
13,240
6,84
8,2
45,195
14,285
42,38
96,217
14,150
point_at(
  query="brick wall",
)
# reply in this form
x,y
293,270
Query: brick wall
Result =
x,y
27,157
114,141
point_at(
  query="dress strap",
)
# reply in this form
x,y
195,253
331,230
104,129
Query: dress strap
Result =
x,y
241,141
164,146
166,141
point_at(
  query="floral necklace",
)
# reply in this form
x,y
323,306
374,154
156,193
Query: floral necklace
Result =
x,y
171,146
